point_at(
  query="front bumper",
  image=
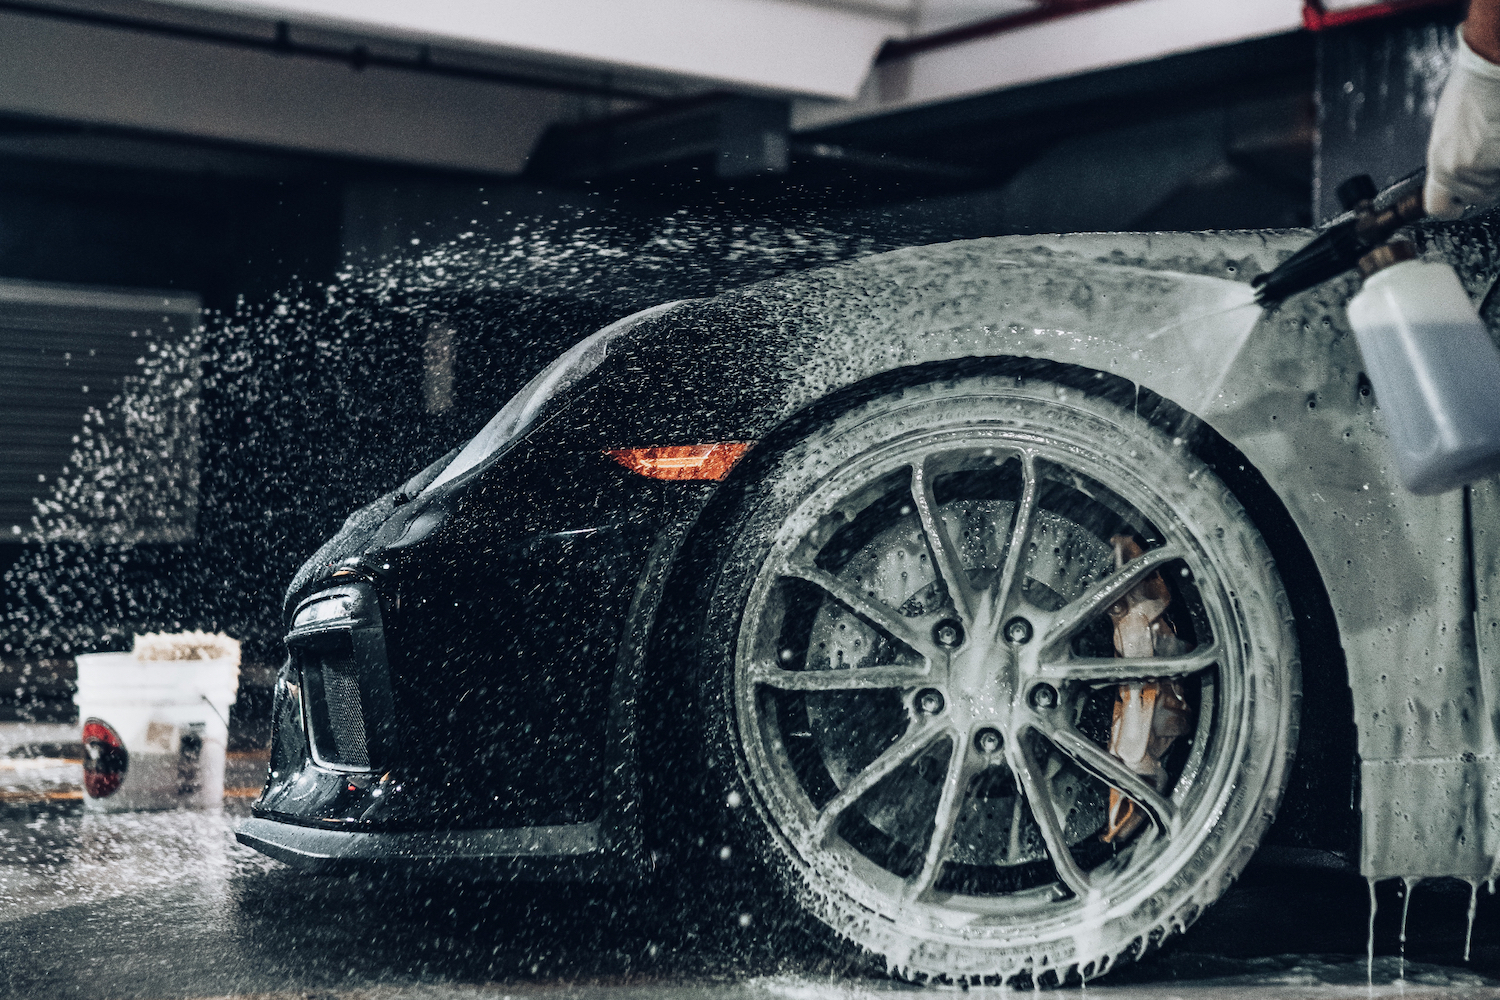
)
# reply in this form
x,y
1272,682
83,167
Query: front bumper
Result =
x,y
316,849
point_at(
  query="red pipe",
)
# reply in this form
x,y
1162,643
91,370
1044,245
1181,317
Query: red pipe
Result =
x,y
1316,18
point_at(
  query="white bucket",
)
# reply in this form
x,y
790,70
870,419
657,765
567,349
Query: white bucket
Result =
x,y
156,721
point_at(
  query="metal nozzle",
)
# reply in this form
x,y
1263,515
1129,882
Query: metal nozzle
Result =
x,y
1385,255
1340,247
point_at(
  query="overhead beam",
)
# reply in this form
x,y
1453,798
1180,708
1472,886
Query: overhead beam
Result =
x,y
1103,37
771,46
61,70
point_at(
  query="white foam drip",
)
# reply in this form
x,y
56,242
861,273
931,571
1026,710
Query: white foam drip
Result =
x,y
1473,905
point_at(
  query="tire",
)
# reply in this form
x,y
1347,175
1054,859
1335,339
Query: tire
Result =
x,y
828,630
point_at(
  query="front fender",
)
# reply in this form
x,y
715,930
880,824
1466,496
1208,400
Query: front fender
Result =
x,y
1174,314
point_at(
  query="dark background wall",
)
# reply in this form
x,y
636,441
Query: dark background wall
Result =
x,y
213,233
1377,89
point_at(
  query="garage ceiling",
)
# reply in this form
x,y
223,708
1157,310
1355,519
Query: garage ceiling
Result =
x,y
473,84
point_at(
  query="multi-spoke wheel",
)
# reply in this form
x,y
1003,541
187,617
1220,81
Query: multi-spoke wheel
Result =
x,y
935,703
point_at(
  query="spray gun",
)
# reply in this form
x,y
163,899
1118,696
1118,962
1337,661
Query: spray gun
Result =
x,y
1427,354
1341,245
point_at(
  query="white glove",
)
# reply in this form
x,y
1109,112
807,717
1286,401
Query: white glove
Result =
x,y
1463,155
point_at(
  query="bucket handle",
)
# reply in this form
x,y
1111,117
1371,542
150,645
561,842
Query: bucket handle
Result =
x,y
215,709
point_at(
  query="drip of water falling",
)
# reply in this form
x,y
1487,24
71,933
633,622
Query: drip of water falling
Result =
x,y
1370,943
1473,903
1407,885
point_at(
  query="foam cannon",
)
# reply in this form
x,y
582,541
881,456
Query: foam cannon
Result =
x,y
1432,363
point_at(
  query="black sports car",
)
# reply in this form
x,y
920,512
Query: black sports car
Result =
x,y
971,589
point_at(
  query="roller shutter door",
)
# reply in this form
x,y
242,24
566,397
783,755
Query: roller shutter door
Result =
x,y
69,356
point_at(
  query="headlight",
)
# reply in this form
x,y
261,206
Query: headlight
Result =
x,y
518,416
324,609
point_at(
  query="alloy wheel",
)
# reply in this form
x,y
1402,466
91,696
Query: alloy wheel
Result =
x,y
924,682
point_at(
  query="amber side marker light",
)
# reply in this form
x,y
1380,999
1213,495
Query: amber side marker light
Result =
x,y
682,461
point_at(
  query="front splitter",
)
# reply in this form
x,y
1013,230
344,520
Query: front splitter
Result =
x,y
319,849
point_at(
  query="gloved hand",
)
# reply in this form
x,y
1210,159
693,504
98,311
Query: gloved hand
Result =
x,y
1463,155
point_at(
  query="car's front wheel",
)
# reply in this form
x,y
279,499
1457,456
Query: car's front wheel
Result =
x,y
1004,678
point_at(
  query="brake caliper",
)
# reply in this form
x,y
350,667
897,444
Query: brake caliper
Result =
x,y
1149,715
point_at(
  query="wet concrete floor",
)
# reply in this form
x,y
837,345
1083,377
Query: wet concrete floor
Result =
x,y
159,905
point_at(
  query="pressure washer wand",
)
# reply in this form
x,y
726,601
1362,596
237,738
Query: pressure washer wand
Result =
x,y
1340,247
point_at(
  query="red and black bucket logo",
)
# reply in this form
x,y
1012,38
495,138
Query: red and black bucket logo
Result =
x,y
105,759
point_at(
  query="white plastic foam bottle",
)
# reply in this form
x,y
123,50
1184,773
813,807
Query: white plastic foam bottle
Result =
x,y
1434,368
